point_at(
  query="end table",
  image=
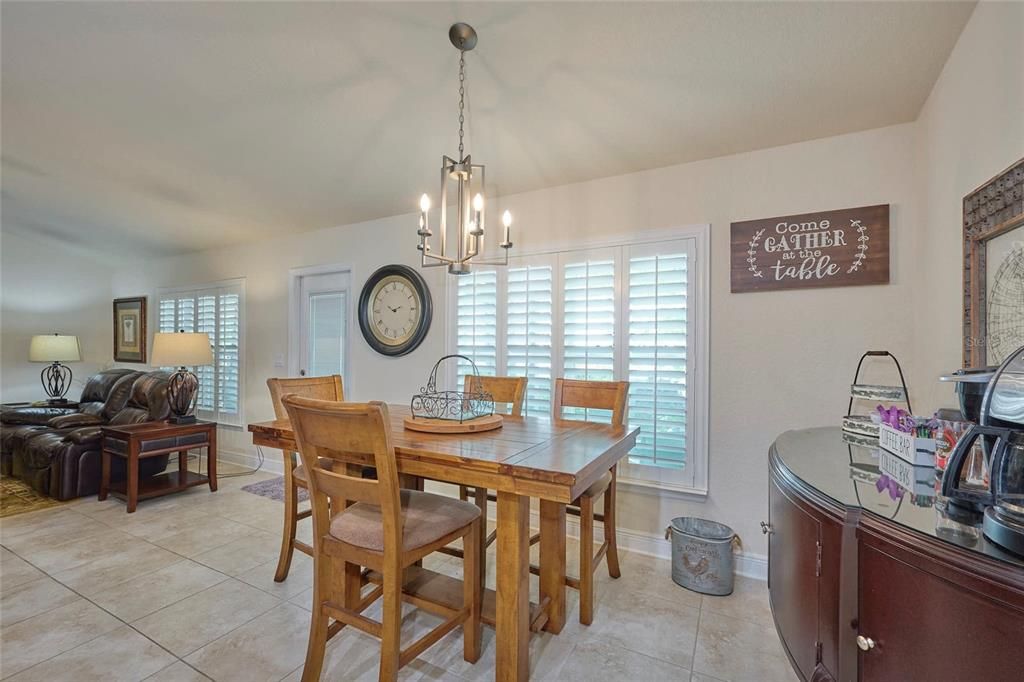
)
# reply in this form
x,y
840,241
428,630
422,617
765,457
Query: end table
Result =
x,y
133,442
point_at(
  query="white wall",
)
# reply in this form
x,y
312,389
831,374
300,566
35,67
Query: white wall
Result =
x,y
48,287
971,128
779,360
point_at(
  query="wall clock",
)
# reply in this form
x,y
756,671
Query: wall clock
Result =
x,y
395,310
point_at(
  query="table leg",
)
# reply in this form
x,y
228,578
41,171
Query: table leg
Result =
x,y
552,562
132,481
513,600
182,466
480,499
211,460
104,474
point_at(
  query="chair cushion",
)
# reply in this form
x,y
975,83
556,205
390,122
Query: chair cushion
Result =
x,y
599,486
428,518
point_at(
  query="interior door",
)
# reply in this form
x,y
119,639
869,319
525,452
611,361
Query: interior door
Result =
x,y
324,302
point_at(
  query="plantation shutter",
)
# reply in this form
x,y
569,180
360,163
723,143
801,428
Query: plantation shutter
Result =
x,y
228,355
622,312
657,354
588,323
476,327
215,310
530,313
206,321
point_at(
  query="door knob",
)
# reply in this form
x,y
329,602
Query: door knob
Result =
x,y
302,372
766,528
865,643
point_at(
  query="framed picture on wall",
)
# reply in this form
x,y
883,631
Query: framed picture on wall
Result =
x,y
994,269
130,329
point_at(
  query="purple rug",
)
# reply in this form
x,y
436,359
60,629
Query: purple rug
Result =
x,y
274,489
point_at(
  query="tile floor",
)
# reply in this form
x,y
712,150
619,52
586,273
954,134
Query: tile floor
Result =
x,y
183,590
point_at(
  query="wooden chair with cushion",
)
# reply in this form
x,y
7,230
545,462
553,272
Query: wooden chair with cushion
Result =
x,y
510,393
598,395
295,477
386,530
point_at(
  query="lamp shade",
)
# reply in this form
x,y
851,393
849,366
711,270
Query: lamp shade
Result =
x,y
54,348
181,349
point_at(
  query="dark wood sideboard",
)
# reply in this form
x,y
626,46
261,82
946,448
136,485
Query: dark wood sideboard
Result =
x,y
869,585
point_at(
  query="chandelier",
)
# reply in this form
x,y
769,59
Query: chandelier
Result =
x,y
468,180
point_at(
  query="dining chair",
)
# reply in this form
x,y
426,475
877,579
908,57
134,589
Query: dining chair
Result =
x,y
596,395
510,393
386,530
295,477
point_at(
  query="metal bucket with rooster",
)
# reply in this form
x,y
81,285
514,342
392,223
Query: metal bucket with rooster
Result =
x,y
702,558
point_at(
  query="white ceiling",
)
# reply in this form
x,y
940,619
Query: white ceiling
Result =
x,y
154,129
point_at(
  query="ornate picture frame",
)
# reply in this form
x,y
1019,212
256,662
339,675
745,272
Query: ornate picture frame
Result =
x,y
130,329
992,214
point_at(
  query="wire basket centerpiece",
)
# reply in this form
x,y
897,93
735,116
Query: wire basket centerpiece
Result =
x,y
453,411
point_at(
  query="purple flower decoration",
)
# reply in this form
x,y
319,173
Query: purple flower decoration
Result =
x,y
885,483
896,418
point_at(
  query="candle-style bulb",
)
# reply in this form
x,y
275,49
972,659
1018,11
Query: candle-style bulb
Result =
x,y
424,203
506,219
478,202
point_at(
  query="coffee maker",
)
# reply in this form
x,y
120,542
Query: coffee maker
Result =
x,y
1000,428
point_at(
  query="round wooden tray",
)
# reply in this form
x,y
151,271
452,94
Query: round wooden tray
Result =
x,y
487,423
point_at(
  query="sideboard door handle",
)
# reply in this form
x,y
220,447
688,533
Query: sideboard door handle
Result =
x,y
766,528
865,643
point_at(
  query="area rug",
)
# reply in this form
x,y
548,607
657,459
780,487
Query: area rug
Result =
x,y
274,489
16,497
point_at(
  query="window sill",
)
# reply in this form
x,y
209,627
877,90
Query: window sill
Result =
x,y
662,489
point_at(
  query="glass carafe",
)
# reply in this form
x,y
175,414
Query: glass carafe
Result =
x,y
1007,477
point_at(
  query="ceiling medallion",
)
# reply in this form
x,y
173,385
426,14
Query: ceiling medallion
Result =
x,y
468,180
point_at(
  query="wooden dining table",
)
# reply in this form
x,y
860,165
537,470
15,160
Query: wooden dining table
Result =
x,y
552,460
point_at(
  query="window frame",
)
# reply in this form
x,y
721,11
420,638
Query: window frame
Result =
x,y
236,285
692,480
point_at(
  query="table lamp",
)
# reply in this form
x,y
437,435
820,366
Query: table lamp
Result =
x,y
55,349
184,349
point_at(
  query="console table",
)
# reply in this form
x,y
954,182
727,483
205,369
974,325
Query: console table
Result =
x,y
868,585
133,442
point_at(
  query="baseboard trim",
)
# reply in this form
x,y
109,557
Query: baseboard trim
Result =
x,y
748,564
245,459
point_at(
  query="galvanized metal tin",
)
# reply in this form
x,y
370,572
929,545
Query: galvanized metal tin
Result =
x,y
702,558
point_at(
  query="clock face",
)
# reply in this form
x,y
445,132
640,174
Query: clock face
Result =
x,y
394,310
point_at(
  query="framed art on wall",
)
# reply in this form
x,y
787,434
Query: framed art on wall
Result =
x,y
994,269
130,329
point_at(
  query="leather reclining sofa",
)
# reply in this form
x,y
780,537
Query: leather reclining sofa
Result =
x,y
57,450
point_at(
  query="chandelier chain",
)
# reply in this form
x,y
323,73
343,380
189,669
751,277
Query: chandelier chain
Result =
x,y
462,101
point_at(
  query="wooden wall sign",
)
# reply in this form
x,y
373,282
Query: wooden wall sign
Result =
x,y
825,249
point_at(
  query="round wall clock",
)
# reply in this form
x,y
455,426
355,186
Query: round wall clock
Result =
x,y
395,310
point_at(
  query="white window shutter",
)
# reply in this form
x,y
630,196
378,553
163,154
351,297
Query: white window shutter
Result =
x,y
206,322
620,312
657,325
217,311
476,325
588,325
227,353
530,310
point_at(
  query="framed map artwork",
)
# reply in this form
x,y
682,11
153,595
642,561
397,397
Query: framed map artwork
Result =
x,y
994,269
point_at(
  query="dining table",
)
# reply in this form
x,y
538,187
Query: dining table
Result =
x,y
553,460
